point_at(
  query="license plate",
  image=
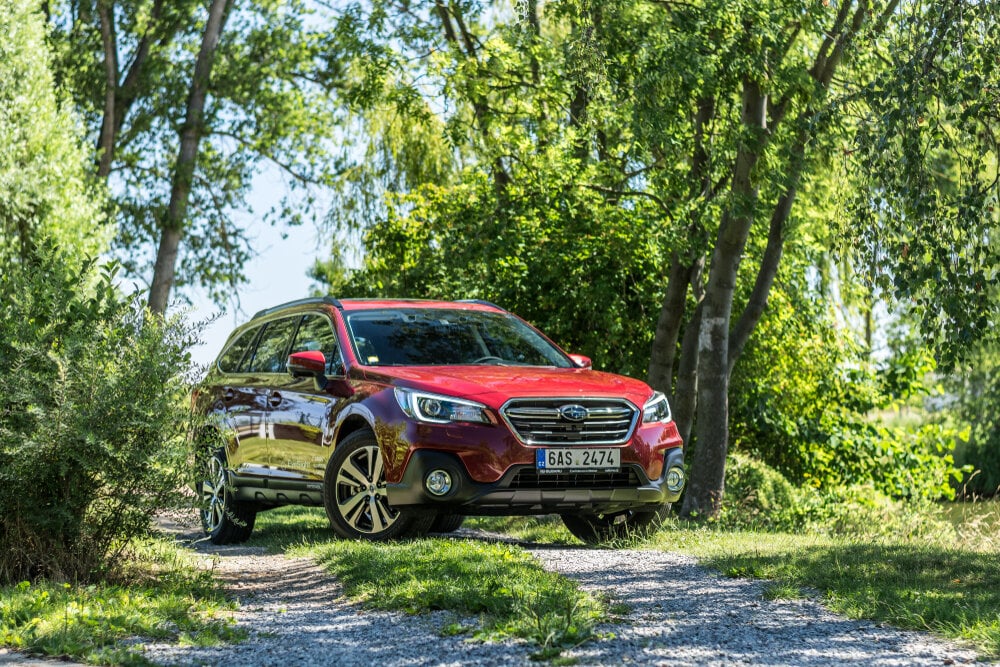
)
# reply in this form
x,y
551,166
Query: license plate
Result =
x,y
577,459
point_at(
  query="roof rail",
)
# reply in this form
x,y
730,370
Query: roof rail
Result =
x,y
481,302
328,300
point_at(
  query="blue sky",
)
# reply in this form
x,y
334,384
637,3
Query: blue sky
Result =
x,y
277,274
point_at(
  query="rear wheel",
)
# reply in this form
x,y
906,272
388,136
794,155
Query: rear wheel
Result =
x,y
224,519
599,528
355,497
447,523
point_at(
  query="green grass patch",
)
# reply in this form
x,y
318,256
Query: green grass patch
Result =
x,y
165,598
499,585
285,528
951,590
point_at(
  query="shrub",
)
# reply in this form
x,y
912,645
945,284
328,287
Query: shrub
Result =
x,y
92,419
759,497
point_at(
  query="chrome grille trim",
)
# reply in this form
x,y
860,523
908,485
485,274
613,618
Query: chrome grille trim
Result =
x,y
538,421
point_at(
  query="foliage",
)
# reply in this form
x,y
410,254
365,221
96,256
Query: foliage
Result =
x,y
557,256
164,597
511,593
271,117
44,189
807,401
977,386
759,497
924,221
92,419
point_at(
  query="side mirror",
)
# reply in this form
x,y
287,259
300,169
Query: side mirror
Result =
x,y
581,361
310,363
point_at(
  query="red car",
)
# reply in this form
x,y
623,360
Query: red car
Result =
x,y
401,417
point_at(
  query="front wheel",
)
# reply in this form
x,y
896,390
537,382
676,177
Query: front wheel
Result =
x,y
355,497
224,519
599,528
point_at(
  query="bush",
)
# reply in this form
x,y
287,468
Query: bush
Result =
x,y
978,390
92,419
759,497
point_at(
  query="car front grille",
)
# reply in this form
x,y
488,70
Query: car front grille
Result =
x,y
550,421
530,479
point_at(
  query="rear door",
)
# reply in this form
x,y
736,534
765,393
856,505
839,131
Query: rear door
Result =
x,y
266,369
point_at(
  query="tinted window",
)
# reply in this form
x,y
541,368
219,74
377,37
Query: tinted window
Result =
x,y
316,333
431,337
271,356
229,361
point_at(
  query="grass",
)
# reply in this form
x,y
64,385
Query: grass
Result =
x,y
164,597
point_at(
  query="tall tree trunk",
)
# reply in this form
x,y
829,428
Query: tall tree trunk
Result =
x,y
704,493
684,271
686,388
106,142
187,158
668,326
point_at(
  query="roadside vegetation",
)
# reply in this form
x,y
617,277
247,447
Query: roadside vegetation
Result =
x,y
161,596
927,566
490,589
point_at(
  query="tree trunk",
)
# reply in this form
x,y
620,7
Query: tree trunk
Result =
x,y
106,142
686,388
668,326
705,489
187,158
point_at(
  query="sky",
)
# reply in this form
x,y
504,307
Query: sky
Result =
x,y
277,274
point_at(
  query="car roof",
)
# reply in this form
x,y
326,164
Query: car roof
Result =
x,y
373,304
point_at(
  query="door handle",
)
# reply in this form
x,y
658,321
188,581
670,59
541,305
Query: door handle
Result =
x,y
274,399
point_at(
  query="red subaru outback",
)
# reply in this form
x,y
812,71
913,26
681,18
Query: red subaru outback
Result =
x,y
402,417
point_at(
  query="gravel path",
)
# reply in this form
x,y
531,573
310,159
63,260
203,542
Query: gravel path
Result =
x,y
681,614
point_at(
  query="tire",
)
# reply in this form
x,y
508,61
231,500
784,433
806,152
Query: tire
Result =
x,y
601,528
354,494
447,523
224,519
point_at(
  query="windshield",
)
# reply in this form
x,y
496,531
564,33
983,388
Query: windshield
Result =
x,y
442,337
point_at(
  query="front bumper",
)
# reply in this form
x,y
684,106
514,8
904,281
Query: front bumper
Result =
x,y
521,490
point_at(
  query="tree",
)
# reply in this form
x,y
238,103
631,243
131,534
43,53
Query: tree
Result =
x,y
187,105
708,119
45,191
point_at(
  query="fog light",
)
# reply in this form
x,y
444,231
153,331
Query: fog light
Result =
x,y
438,482
675,479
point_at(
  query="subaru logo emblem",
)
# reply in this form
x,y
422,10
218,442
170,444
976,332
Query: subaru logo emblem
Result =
x,y
573,413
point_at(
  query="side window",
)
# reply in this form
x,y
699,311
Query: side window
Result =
x,y
316,333
270,356
229,360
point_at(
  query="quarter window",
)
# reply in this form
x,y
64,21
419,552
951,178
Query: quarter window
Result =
x,y
229,360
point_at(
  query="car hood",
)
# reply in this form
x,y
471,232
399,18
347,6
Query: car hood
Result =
x,y
495,385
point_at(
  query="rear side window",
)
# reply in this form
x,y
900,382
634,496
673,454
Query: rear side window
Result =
x,y
229,360
271,356
316,333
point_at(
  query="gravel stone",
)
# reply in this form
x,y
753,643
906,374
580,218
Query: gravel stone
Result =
x,y
684,614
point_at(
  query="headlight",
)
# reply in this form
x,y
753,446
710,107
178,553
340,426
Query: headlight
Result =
x,y
657,409
440,409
